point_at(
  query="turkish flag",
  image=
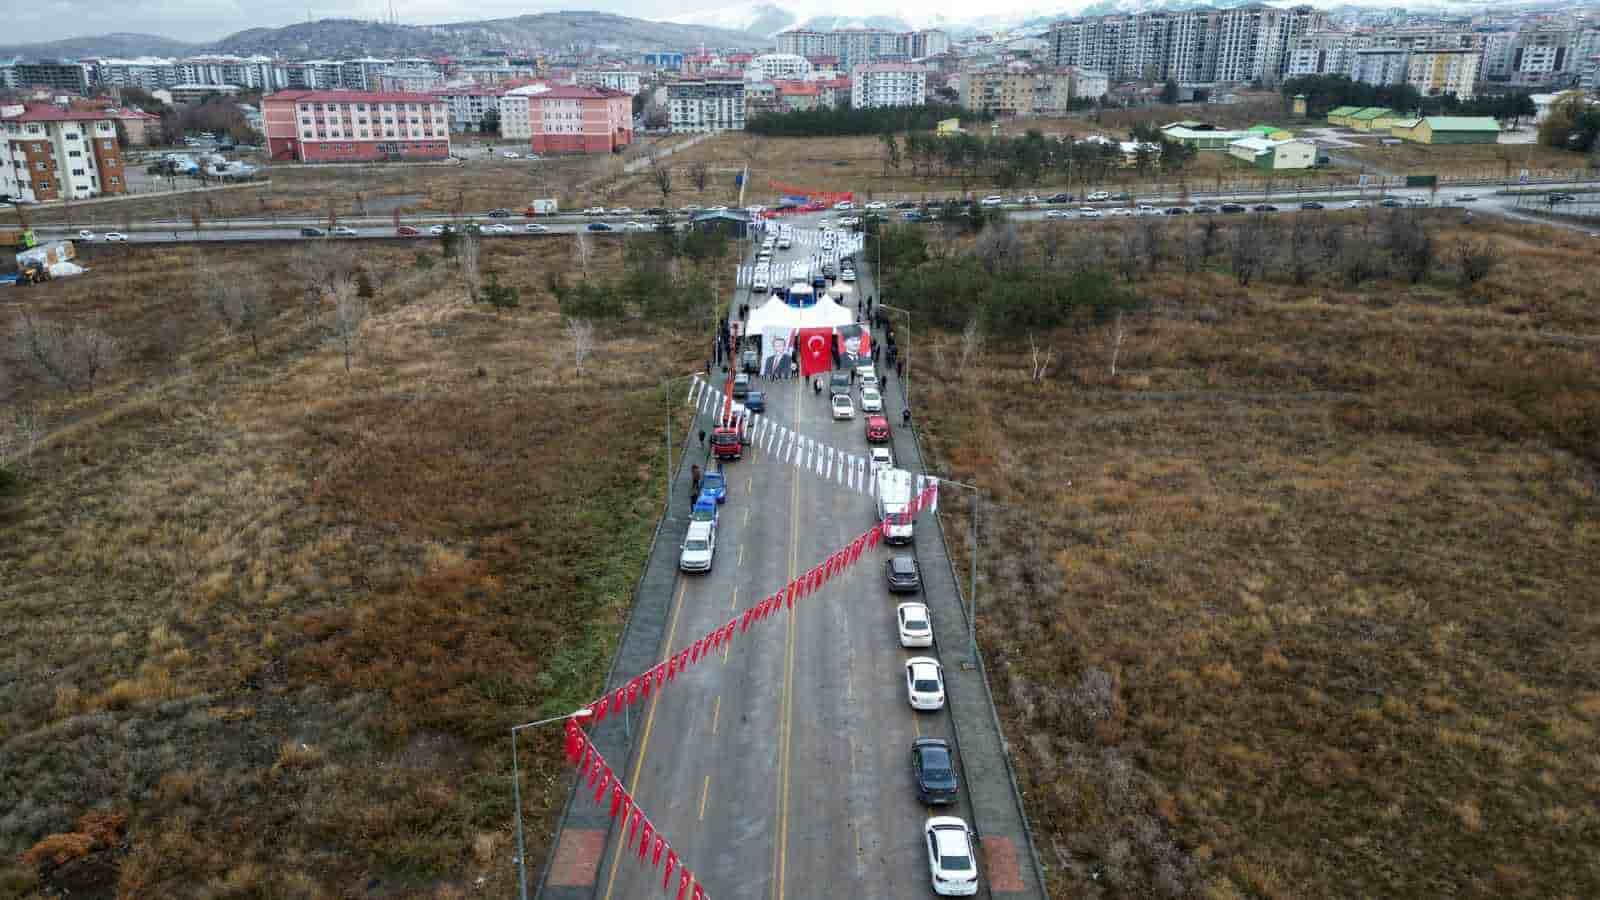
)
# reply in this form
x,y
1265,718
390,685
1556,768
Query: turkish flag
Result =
x,y
655,856
672,667
816,351
619,699
633,826
699,893
644,840
874,536
744,621
616,799
633,692
600,707
646,681
684,877
672,863
660,674
574,743
605,782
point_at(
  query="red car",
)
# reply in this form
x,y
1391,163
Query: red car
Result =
x,y
407,231
877,430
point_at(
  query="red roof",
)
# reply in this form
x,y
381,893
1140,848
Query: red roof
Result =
x,y
797,88
741,57
576,92
823,60
349,97
48,113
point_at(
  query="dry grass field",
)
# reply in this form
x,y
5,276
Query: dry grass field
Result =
x,y
1301,603
1471,160
265,622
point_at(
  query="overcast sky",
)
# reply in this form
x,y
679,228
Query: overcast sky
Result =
x,y
31,21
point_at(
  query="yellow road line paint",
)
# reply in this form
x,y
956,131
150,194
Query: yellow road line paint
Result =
x,y
716,713
704,790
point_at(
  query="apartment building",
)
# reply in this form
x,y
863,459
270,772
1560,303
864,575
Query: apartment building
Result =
x,y
1547,54
1435,72
1379,65
663,59
706,104
625,80
1247,43
864,46
516,118
761,97
888,84
355,126
65,77
572,119
1022,91
798,96
409,80
778,67
50,152
468,103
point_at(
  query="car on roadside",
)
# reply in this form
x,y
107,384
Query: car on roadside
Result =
x,y
1264,208
1232,207
311,231
1562,198
595,211
86,235
1059,198
843,408
1058,214
904,576
1391,203
912,215
839,383
877,430
951,861
1358,204
622,211
848,275
871,400
497,228
924,683
880,458
407,231
699,547
741,385
843,205
714,485
600,226
1418,201
906,204
1145,209
1120,211
913,625
993,200
755,401
1175,211
1030,199
511,154
1089,213
437,230
115,236
636,225
716,209
654,211
1098,197
499,213
876,204
1203,210
536,228
933,770
1311,204
1466,198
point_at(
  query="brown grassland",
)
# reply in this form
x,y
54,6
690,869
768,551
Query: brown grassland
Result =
x,y
265,623
1503,161
1302,602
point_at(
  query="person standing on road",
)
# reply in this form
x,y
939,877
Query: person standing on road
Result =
x,y
702,437
694,475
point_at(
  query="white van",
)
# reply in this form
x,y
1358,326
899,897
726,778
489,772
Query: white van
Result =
x,y
894,498
762,280
785,237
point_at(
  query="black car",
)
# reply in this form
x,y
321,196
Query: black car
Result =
x,y
1232,208
1204,210
1121,198
1175,211
1311,204
912,215
756,402
499,213
656,211
1264,207
1391,203
905,576
308,231
906,204
1059,198
933,768
1563,198
600,226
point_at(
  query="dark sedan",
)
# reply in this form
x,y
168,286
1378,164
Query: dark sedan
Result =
x,y
1311,204
906,204
1204,210
1232,208
1175,211
905,576
1059,198
933,768
1264,207
499,213
756,402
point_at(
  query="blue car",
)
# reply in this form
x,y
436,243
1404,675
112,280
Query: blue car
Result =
x,y
756,402
600,226
705,509
715,486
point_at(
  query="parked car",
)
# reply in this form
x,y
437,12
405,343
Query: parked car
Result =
x,y
904,575
843,205
715,486
1145,209
498,228
993,200
913,624
750,361
1121,211
1204,210
880,458
934,771
499,213
924,683
755,401
842,407
1391,203
115,236
600,226
1030,199
1466,198
839,383
741,386
655,211
1098,197
595,211
906,204
1089,213
1423,201
1232,207
699,546
848,275
877,429
1264,207
535,228
636,225
1060,198
310,231
511,154
951,860
407,231
1311,204
912,215
85,235
876,204
871,400
1563,198
1175,211
1058,214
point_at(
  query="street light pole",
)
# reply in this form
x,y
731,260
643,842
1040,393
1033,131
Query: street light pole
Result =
x,y
905,385
516,794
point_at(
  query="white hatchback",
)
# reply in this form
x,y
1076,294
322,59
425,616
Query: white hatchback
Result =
x,y
925,683
916,630
842,407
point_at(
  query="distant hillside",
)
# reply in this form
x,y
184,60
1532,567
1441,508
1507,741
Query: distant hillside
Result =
x,y
119,44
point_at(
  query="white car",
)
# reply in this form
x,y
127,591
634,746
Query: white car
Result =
x,y
511,154
595,211
622,211
1145,209
951,862
876,204
1098,197
1058,214
536,229
115,236
881,458
497,228
636,225
844,204
871,400
1031,198
843,408
344,231
1121,211
916,629
755,210
1088,213
848,275
925,683
868,378
86,235
436,230
993,200
699,546
533,157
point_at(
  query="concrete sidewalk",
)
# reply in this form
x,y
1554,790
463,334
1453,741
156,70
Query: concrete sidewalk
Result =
x,y
1010,865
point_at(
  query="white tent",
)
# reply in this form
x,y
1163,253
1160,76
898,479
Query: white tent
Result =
x,y
775,313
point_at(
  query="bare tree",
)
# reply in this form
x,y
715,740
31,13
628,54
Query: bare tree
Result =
x,y
1154,242
1209,232
73,356
1299,251
349,313
998,246
21,435
467,257
661,177
1476,261
1051,240
1040,366
582,333
1118,335
1248,253
583,251
971,343
240,306
700,176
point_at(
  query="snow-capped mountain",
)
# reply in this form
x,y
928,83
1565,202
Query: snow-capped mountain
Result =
x,y
763,18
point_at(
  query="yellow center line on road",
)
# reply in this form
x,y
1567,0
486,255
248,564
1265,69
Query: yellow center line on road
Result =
x,y
649,723
716,713
704,790
741,556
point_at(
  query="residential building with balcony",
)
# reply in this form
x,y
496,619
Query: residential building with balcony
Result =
x,y
50,152
625,80
706,104
888,84
1436,72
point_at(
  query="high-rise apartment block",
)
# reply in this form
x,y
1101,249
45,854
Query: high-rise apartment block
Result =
x,y
1247,43
864,46
706,104
888,84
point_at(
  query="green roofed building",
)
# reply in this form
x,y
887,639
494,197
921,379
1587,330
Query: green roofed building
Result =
x,y
1373,118
1449,130
1270,132
1340,115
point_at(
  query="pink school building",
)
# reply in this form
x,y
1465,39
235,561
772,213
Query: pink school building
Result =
x,y
355,126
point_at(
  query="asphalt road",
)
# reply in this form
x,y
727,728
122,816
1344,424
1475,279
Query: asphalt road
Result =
x,y
781,770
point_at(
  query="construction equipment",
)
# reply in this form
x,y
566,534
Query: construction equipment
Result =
x,y
21,238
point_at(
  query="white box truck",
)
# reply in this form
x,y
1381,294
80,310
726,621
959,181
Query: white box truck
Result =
x,y
894,497
543,207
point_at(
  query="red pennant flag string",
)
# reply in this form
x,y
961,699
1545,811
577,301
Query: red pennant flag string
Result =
x,y
672,862
655,856
633,692
620,699
699,892
644,840
633,829
574,738
684,877
605,782
600,708
616,799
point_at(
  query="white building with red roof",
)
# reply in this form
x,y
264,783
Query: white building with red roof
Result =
x,y
572,119
53,152
355,126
